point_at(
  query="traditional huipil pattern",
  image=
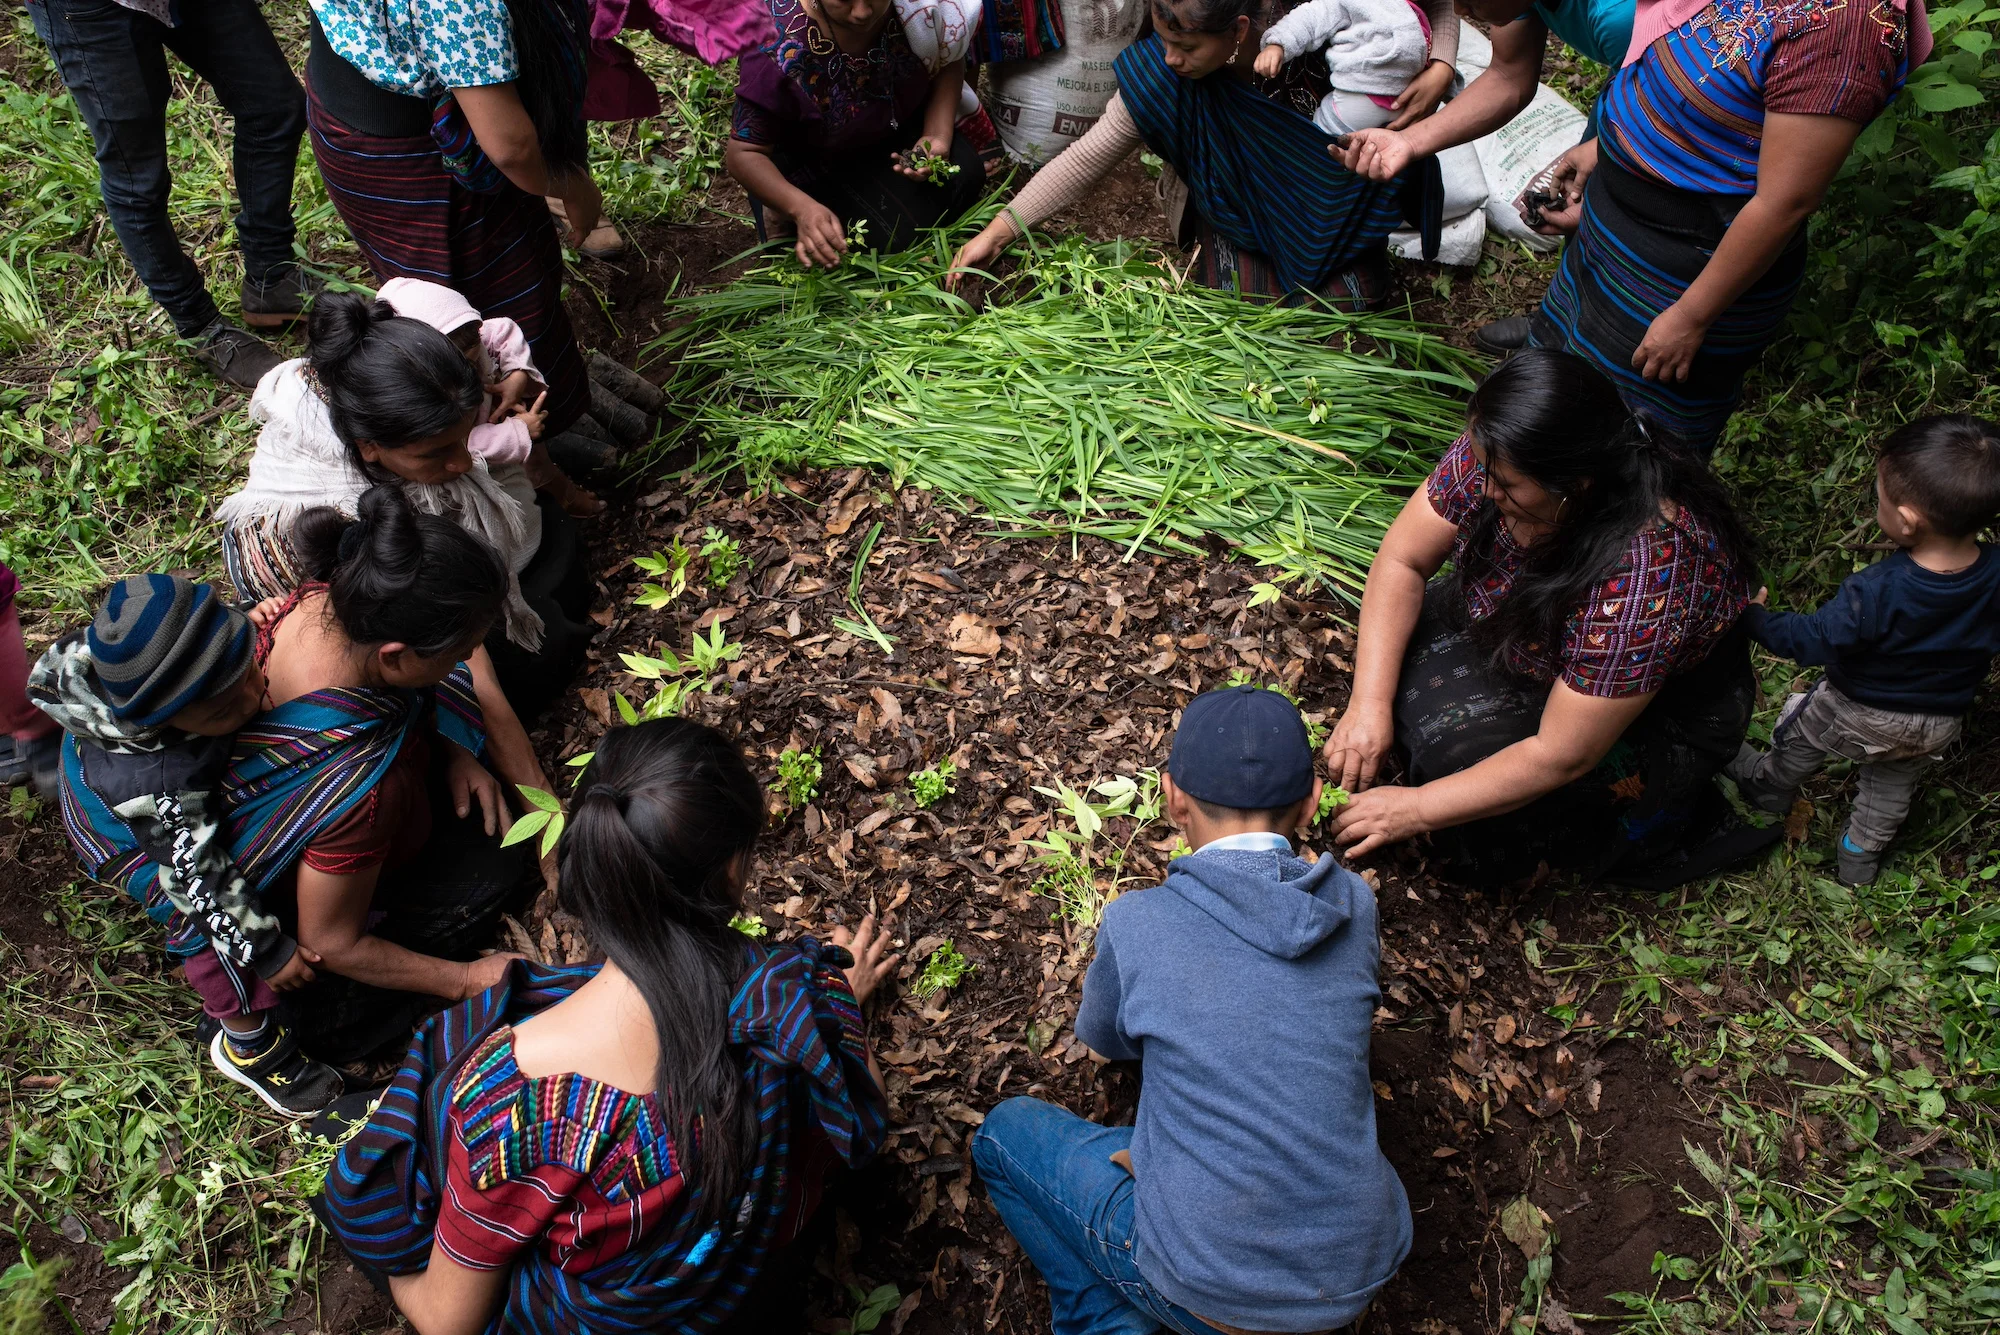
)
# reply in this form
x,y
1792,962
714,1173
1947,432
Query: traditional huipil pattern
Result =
x,y
802,95
1257,170
572,1186
1671,600
1019,30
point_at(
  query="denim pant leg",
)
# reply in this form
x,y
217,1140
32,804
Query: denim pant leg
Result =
x,y
114,63
228,43
1050,1175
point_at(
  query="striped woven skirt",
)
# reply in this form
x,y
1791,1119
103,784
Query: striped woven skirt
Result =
x,y
498,249
1640,245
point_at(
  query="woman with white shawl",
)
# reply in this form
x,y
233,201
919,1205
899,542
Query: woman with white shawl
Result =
x,y
384,398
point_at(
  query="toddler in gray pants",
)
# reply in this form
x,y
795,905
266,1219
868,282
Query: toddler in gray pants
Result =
x,y
1905,642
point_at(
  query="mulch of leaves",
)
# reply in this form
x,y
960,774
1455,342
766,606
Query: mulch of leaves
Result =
x,y
1032,663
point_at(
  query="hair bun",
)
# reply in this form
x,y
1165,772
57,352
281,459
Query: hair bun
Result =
x,y
339,326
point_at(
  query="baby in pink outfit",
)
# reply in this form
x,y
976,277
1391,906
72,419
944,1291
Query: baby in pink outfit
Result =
x,y
498,350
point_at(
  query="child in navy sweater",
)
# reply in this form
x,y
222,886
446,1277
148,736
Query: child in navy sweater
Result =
x,y
1905,642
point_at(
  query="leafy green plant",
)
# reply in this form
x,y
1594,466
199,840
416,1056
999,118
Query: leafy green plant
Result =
x,y
944,970
749,926
799,773
1331,799
680,678
709,656
871,1307
546,819
723,555
671,566
929,786
864,628
1081,877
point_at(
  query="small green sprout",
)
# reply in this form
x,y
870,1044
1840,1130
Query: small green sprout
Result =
x,y
931,785
933,167
671,566
1180,849
857,234
749,926
546,819
724,557
798,775
710,654
945,969
1330,800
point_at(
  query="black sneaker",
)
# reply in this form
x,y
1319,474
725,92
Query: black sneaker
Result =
x,y
234,355
281,299
1502,338
286,1079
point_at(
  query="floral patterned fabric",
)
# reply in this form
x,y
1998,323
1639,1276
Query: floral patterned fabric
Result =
x,y
1672,600
423,48
801,94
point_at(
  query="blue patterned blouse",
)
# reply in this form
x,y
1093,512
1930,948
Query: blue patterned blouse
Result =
x,y
422,48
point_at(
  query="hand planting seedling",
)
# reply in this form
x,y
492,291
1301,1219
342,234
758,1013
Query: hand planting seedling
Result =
x,y
798,775
944,970
920,161
724,557
931,785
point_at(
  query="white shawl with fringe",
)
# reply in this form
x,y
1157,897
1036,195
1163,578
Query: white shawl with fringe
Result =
x,y
300,463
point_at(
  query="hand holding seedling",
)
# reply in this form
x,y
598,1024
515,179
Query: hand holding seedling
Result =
x,y
822,240
1270,60
925,161
867,943
509,393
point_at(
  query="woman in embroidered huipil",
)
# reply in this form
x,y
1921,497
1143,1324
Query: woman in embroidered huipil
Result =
x,y
831,113
620,1146
1570,690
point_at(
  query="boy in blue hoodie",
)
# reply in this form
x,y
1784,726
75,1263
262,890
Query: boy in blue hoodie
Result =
x,y
1251,1196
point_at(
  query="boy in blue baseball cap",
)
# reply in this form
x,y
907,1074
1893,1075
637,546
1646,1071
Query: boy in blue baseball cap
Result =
x,y
1251,1195
151,694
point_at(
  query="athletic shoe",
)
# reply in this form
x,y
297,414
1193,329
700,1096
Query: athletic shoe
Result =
x,y
286,1079
1502,338
1856,866
234,355
281,299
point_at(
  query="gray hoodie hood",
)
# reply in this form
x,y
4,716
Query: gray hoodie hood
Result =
x,y
1276,902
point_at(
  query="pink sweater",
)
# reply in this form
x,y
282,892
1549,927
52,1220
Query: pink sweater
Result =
x,y
503,350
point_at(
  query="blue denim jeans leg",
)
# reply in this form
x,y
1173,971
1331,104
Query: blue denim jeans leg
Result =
x,y
114,61
1049,1173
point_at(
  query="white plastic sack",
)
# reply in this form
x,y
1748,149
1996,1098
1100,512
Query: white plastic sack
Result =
x,y
939,31
1521,150
1459,242
1041,107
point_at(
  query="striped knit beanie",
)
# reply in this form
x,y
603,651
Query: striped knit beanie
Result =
x,y
161,643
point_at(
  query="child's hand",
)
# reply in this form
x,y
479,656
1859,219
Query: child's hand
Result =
x,y
265,613
1270,60
1763,597
297,972
535,417
510,393
867,944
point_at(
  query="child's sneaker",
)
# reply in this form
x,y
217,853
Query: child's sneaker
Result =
x,y
277,1072
1856,866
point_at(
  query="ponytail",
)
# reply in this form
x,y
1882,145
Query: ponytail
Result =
x,y
664,812
386,379
1556,419
394,575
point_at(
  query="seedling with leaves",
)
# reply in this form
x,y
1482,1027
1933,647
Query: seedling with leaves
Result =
x,y
680,678
749,926
935,168
1082,877
670,566
545,818
944,970
798,775
870,1308
865,628
1331,799
930,786
723,555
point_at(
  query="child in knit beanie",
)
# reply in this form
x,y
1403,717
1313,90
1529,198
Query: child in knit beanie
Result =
x,y
151,694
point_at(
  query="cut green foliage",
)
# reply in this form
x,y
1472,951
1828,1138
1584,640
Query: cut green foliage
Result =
x,y
1331,799
1529,1229
1107,399
724,557
944,970
864,628
670,566
1080,875
546,819
930,786
799,773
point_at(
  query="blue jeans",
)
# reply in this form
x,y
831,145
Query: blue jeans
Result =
x,y
114,62
1050,1175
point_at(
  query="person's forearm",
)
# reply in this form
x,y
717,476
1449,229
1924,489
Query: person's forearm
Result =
x,y
1072,172
1505,781
1753,241
759,175
507,745
378,963
1488,102
942,113
1391,603
445,1298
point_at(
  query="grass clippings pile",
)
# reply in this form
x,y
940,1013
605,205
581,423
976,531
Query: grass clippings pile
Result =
x,y
1108,399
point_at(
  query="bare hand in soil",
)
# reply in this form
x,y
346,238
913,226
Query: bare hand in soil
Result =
x,y
1378,817
488,971
978,253
509,393
867,944
821,239
298,971
1359,742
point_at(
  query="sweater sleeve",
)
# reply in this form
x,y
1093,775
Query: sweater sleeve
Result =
x,y
1098,1021
1077,168
506,442
1444,31
508,347
1308,28
1842,626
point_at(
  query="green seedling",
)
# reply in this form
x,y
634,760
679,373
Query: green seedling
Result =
x,y
1080,876
871,1308
671,566
864,628
723,555
709,655
545,819
799,774
1181,849
1331,799
749,926
931,785
933,167
944,970
857,234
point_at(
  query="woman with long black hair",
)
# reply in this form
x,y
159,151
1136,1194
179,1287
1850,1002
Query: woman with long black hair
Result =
x,y
620,1146
1567,693
439,127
